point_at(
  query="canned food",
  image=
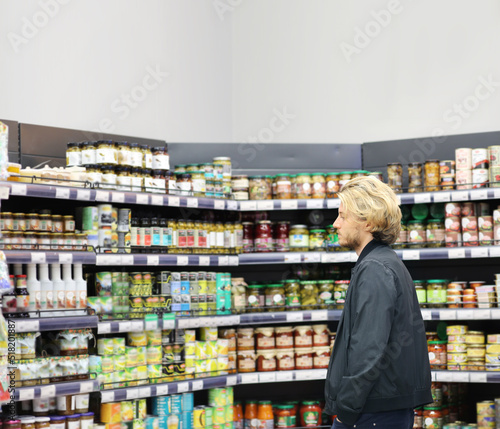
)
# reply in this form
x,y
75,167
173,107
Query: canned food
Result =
x,y
495,176
452,224
463,179
452,209
447,167
457,348
447,182
480,158
494,156
456,329
463,158
480,178
105,215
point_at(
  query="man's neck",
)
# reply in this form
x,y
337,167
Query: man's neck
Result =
x,y
364,241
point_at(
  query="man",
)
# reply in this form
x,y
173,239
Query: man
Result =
x,y
379,370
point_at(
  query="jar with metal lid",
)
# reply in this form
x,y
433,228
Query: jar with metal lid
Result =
x,y
299,238
310,414
283,186
136,179
292,295
7,221
106,153
237,182
332,184
161,160
318,186
309,294
73,155
192,167
432,176
43,240
32,222
246,361
42,422
52,223
275,297
94,175
223,164
284,416
284,337
340,292
158,184
421,290
263,241
68,223
123,179
436,293
73,421
180,168
248,237
344,177
266,360
285,359
317,239
184,184
417,236
124,156
18,222
27,422
56,241
415,177
17,240
87,420
437,354
199,183
265,338
435,233
325,293
68,241
395,176
57,422
259,188
255,298
303,336
321,357
303,189
146,156
88,153
304,358
136,155
108,177
81,403
30,240
433,418
282,236
378,174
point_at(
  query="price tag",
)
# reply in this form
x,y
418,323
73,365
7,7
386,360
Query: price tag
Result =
x,y
204,260
26,394
427,314
153,260
289,205
447,315
465,314
124,327
136,326
142,199
192,202
104,328
333,204
295,316
174,201
344,257
479,194
102,196
456,253
232,205
62,193
460,377
460,196
312,257
249,378
248,205
132,394
495,314
293,258
162,389
27,325
223,260
219,205
38,257
411,255
284,376
83,194
182,260
185,323
442,197
496,193
152,324
269,377
144,392
157,200
65,258
265,205
422,198
231,380
444,376
482,314
319,315
494,252
168,321
303,375
479,252
314,204
118,197
478,377
86,386
127,260
433,375
182,387
197,385
233,261
234,320
327,258
4,192
18,189
47,391
107,396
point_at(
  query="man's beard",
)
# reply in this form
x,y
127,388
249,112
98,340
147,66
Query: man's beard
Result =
x,y
352,242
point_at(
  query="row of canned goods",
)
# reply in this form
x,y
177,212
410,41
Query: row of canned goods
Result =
x,y
442,293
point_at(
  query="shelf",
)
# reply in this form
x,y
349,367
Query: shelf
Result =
x,y
41,257
466,376
56,389
166,260
53,323
296,257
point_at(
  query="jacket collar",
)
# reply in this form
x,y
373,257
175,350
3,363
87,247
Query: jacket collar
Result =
x,y
367,249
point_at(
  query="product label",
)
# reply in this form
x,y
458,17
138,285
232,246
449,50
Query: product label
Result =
x,y
304,362
246,364
190,238
293,301
321,361
70,299
269,364
299,240
266,424
303,340
199,185
246,342
321,339
88,157
161,162
286,363
284,341
73,158
285,421
265,343
311,418
105,156
263,244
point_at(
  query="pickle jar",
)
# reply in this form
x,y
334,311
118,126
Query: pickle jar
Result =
x,y
88,153
415,177
184,184
432,176
255,298
283,187
332,184
421,290
147,157
123,179
309,294
299,238
136,155
435,233
318,186
340,292
395,176
292,295
106,153
325,293
124,154
275,297
317,239
73,155
259,188
417,235
108,177
199,183
94,175
344,177
303,189
436,293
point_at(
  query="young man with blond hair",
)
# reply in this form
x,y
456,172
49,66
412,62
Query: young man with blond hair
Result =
x,y
379,370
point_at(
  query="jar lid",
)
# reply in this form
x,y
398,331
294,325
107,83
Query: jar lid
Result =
x,y
122,143
89,414
299,226
185,175
135,145
415,221
284,407
276,285
73,144
310,402
346,172
434,221
318,174
432,160
317,230
265,402
359,172
437,342
256,177
222,158
303,174
26,420
269,177
74,416
57,418
437,281
335,173
283,175
375,172
433,408
42,419
162,149
255,286
325,281
105,142
292,281
394,163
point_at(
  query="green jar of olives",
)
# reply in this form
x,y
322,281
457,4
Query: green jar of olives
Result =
x,y
309,294
255,298
275,297
417,235
325,293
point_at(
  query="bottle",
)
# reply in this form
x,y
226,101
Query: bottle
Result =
x,y
265,415
70,288
251,421
145,233
34,290
47,291
155,232
58,287
81,288
134,232
22,296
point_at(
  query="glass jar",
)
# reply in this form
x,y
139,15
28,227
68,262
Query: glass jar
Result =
x,y
303,336
266,360
136,156
299,238
56,226
285,358
108,177
73,155
420,288
265,338
88,153
284,416
415,177
199,183
416,233
436,293
378,174
437,354
94,175
146,157
282,236
87,420
124,156
263,241
223,165
325,293
433,418
303,189
123,179
332,184
283,187
321,357
106,153
304,358
247,237
340,292
310,414
344,177
318,184
317,239
292,295
68,223
309,294
237,182
275,297
32,222
435,233
255,298
432,177
42,422
284,337
158,183
246,360
160,159
259,188
395,176
184,184
136,179
18,222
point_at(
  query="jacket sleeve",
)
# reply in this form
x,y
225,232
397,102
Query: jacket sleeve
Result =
x,y
372,309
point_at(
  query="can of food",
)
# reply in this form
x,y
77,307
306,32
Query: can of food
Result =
x,y
105,214
495,176
474,337
468,209
219,415
457,338
486,414
447,167
469,224
463,158
494,339
457,358
452,209
485,223
217,397
456,348
90,218
452,224
463,179
486,238
124,216
447,182
199,417
104,238
476,352
480,158
480,178
453,239
470,238
456,329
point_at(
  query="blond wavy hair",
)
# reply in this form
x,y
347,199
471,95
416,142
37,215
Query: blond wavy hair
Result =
x,y
372,201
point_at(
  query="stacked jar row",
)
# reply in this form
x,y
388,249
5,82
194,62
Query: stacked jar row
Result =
x,y
440,293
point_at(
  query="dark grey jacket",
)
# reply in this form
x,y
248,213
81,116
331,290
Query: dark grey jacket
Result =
x,y
380,360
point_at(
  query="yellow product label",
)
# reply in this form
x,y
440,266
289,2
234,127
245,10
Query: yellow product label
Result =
x,y
222,363
111,412
212,367
201,350
118,346
131,356
456,329
492,359
189,335
493,349
138,424
105,346
211,349
127,411
190,361
142,373
200,366
190,349
119,362
476,352
199,418
154,337
141,356
107,364
154,371
137,339
153,354
229,413
208,334
222,347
